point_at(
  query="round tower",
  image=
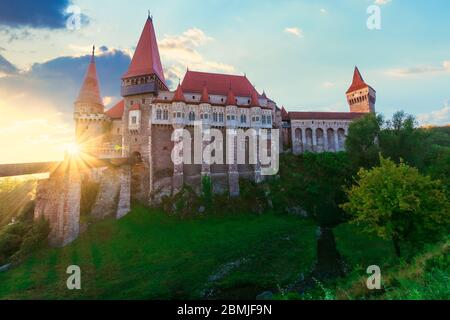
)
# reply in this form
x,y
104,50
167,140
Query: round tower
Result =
x,y
89,115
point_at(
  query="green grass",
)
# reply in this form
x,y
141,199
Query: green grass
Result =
x,y
149,255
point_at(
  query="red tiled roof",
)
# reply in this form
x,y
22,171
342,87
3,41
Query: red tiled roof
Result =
x,y
146,59
90,90
179,95
255,100
325,115
358,82
205,96
217,83
231,98
116,112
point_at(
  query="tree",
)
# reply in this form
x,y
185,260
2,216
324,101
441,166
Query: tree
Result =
x,y
398,203
401,139
362,141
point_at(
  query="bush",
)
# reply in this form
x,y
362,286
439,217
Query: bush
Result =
x,y
22,238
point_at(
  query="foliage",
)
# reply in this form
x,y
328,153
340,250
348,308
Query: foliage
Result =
x,y
398,203
313,181
362,141
16,195
207,195
21,238
89,192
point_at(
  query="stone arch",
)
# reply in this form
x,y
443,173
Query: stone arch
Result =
x,y
309,140
320,140
331,140
341,139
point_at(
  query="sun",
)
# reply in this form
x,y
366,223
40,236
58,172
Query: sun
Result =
x,y
73,149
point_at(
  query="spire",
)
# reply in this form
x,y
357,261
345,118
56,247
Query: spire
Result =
x,y
264,94
90,90
205,96
231,99
255,100
358,81
179,95
146,59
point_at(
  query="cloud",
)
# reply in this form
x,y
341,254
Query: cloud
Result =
x,y
419,70
437,117
382,2
294,31
34,14
6,67
323,11
328,84
182,51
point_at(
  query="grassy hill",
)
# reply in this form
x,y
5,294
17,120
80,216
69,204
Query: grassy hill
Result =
x,y
150,255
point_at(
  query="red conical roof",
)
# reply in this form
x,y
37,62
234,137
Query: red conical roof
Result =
x,y
90,90
205,96
116,112
146,59
179,95
231,98
358,82
255,100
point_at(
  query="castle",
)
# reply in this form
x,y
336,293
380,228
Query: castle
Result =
x,y
141,126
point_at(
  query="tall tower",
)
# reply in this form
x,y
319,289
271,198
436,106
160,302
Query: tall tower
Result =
x,y
89,113
145,74
360,96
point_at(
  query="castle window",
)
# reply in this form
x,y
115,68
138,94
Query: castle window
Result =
x,y
220,117
264,119
193,97
134,120
243,118
158,114
215,116
166,115
178,114
269,119
191,116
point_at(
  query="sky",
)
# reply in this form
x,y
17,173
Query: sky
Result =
x,y
301,53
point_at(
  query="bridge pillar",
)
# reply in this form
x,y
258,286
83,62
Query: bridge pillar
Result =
x,y
58,201
124,205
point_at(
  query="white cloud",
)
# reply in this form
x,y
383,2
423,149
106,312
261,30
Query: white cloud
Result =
x,y
419,70
382,2
437,117
182,51
328,84
295,31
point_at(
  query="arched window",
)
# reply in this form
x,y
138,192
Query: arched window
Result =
x,y
243,118
158,114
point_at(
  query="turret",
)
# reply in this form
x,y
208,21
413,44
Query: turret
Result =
x,y
89,109
360,96
145,74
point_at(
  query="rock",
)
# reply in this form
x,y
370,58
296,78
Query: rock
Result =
x,y
5,267
297,211
266,295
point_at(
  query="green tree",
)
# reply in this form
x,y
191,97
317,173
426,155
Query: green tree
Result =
x,y
401,139
398,203
362,141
